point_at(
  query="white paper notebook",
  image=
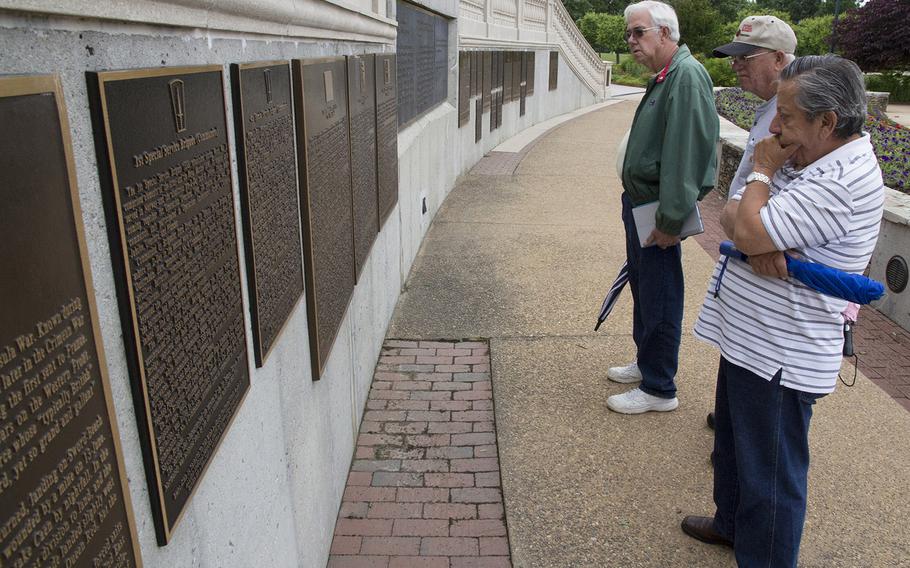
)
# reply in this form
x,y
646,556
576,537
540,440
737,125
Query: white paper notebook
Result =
x,y
645,221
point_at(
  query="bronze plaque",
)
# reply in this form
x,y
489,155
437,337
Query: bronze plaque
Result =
x,y
264,131
487,81
554,69
531,69
477,73
507,77
478,120
63,494
464,88
499,104
517,61
386,135
324,165
162,149
362,110
422,47
407,44
523,85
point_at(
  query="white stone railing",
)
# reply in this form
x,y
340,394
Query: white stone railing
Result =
x,y
579,54
540,24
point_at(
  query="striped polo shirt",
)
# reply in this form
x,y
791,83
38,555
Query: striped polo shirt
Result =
x,y
829,212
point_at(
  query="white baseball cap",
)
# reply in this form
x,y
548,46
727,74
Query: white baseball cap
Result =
x,y
769,32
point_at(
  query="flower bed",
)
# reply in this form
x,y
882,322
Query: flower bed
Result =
x,y
890,140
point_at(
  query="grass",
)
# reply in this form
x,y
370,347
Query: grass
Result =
x,y
890,140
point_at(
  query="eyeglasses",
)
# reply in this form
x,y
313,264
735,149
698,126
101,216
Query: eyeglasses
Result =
x,y
741,59
639,32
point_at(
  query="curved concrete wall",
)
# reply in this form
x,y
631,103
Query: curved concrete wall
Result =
x,y
271,494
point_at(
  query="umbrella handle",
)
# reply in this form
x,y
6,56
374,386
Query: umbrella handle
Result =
x,y
727,248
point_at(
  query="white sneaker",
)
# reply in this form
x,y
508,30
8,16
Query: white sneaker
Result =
x,y
637,401
627,374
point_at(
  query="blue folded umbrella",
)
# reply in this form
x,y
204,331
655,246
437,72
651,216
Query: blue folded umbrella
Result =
x,y
854,288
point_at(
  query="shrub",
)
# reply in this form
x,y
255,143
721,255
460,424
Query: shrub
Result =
x,y
722,74
895,83
813,35
630,72
890,140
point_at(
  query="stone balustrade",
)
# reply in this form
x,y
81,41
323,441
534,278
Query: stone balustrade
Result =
x,y
532,24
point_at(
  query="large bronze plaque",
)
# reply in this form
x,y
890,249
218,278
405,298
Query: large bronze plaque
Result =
x,y
517,62
507,77
423,61
476,73
478,120
324,165
407,44
554,70
530,75
162,149
63,494
523,85
386,135
264,131
464,88
487,79
441,61
362,110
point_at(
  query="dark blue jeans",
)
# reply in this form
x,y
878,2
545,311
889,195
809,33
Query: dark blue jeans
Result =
x,y
761,463
658,290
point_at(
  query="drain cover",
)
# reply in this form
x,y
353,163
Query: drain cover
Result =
x,y
896,274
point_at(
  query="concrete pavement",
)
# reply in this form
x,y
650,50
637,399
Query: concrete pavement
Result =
x,y
523,261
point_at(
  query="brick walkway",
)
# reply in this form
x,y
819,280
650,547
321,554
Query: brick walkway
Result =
x,y
883,346
424,487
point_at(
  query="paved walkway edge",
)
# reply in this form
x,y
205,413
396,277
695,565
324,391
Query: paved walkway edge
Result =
x,y
424,489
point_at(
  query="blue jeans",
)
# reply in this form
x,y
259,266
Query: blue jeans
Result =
x,y
658,290
761,463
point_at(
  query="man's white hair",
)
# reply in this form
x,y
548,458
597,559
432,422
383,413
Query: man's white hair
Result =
x,y
661,14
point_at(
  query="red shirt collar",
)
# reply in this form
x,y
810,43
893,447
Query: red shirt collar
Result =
x,y
663,72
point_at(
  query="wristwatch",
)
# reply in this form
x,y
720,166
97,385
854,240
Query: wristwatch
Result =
x,y
758,176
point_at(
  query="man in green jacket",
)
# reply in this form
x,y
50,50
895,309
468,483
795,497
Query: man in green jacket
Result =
x,y
670,158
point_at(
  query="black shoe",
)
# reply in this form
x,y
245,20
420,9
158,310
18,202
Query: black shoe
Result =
x,y
711,420
702,528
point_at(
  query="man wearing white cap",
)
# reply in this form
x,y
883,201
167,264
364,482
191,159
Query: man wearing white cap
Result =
x,y
761,48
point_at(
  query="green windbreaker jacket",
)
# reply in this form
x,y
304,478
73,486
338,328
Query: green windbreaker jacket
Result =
x,y
671,153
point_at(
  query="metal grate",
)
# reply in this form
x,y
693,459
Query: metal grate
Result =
x,y
896,274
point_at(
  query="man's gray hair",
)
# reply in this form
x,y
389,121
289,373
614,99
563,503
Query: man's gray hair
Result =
x,y
829,83
661,14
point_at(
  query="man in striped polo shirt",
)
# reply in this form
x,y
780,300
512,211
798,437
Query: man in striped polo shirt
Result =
x,y
761,48
815,191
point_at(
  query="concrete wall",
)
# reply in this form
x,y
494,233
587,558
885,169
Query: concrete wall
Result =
x,y
271,494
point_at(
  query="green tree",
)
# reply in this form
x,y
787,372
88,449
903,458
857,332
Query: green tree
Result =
x,y
605,32
610,6
813,35
588,26
577,8
729,9
611,33
798,9
827,7
699,25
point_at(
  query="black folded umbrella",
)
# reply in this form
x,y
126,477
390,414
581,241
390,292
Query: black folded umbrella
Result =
x,y
618,284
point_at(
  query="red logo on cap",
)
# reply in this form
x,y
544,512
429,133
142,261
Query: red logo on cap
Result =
x,y
746,28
